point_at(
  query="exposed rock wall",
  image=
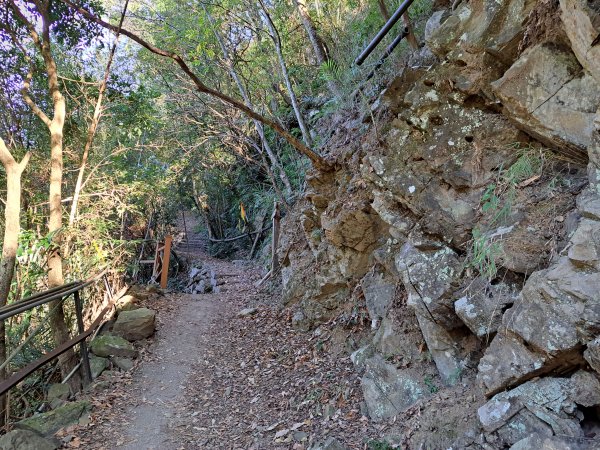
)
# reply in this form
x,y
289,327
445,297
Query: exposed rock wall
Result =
x,y
474,198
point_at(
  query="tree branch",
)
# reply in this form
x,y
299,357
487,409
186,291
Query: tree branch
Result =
x,y
317,160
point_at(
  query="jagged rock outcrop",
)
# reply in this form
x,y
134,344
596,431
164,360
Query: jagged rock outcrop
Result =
x,y
388,392
470,206
542,93
547,407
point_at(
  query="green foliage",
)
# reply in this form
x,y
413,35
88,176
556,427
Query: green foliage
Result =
x,y
376,444
496,206
428,380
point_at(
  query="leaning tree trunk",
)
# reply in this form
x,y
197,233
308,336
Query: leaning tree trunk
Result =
x,y
244,93
94,123
286,77
12,227
316,42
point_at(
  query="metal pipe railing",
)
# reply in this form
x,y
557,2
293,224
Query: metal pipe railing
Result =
x,y
384,30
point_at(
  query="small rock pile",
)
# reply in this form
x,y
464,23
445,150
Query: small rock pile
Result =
x,y
202,279
114,346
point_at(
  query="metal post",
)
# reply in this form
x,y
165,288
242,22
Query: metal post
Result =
x,y
388,52
384,30
85,360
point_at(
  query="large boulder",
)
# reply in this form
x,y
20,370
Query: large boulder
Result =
x,y
135,325
387,391
547,406
109,345
582,25
50,422
546,93
25,440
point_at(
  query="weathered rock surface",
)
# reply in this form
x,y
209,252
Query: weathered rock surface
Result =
x,y
547,406
582,25
136,324
50,422
125,364
25,440
108,345
482,306
542,93
430,274
379,293
592,354
127,303
58,394
507,361
388,391
541,442
98,365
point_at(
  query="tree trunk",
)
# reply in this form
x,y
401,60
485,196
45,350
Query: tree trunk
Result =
x,y
58,324
315,41
286,77
95,121
12,227
385,12
244,93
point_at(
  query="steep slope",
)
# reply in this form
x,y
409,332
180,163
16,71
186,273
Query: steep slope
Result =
x,y
465,203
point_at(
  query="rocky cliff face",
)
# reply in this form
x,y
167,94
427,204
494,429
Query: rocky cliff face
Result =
x,y
464,219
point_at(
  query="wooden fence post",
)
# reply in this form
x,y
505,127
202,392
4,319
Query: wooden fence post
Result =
x,y
164,275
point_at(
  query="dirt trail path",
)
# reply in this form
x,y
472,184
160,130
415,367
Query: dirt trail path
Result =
x,y
159,384
214,379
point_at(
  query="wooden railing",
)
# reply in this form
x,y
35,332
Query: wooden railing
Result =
x,y
60,293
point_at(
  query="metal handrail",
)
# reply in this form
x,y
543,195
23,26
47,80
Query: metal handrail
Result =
x,y
60,293
382,33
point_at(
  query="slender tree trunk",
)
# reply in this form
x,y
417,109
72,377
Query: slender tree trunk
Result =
x,y
385,12
315,41
95,121
286,77
58,324
244,93
411,38
12,227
